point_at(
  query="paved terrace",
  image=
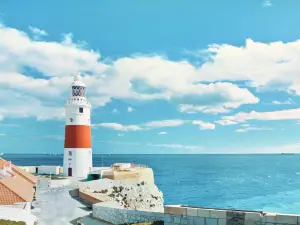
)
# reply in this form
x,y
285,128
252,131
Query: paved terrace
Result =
x,y
56,206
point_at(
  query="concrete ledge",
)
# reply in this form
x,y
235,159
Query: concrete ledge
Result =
x,y
191,212
183,215
203,213
270,218
218,214
253,216
115,215
287,218
175,210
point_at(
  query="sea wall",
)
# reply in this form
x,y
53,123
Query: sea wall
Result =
x,y
177,215
113,214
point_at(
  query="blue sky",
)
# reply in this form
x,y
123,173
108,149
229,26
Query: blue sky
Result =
x,y
163,76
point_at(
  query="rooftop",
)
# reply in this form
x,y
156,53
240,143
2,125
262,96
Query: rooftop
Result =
x,y
16,188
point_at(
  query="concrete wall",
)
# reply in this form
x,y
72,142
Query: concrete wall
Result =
x,y
90,220
43,183
43,169
141,174
29,169
53,170
175,215
116,215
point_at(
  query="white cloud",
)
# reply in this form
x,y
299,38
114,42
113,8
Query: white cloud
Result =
x,y
290,114
145,126
2,134
193,88
117,126
129,109
120,135
9,125
190,109
243,130
267,3
203,125
164,123
115,111
156,124
225,122
191,147
137,77
120,142
162,132
245,125
226,96
287,102
37,32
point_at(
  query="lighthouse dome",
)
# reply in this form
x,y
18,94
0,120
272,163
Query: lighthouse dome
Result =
x,y
78,81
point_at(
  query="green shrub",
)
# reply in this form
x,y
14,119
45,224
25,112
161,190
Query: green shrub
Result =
x,y
9,222
151,223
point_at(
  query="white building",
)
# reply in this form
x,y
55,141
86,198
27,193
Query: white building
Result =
x,y
78,140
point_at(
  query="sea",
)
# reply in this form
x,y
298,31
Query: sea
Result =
x,y
269,183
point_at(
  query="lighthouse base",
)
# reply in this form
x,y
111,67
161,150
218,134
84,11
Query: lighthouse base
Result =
x,y
77,162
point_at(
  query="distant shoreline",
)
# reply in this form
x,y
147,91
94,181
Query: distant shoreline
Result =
x,y
107,154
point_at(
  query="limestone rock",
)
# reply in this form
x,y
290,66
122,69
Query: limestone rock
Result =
x,y
129,193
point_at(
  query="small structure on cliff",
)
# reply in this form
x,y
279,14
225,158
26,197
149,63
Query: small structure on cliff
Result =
x,y
123,171
123,185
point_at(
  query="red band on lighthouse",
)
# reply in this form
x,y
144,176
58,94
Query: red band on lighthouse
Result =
x,y
78,136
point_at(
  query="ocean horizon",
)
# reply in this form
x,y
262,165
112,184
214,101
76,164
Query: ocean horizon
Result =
x,y
267,182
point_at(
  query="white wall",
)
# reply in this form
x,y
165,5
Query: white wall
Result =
x,y
72,111
177,215
80,161
115,215
54,170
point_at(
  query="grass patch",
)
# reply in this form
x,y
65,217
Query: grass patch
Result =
x,y
151,223
10,222
55,177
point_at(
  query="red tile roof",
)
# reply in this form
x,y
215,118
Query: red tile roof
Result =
x,y
18,188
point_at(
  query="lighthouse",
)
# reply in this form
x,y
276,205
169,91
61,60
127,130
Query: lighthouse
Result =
x,y
78,140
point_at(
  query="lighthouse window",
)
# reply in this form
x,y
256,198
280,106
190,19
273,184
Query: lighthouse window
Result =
x,y
78,91
70,153
71,120
80,110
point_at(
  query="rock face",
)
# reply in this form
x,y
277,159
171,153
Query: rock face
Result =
x,y
128,194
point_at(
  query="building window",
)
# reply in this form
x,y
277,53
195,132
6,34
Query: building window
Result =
x,y
80,110
70,153
71,120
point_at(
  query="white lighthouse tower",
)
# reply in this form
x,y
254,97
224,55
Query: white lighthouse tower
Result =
x,y
78,140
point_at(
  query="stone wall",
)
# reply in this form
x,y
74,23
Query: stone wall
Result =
x,y
175,215
87,199
113,214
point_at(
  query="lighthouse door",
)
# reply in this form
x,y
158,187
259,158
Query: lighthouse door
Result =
x,y
69,172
